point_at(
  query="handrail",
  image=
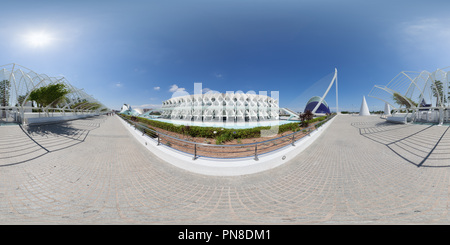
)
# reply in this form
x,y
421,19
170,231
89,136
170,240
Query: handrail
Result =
x,y
255,144
235,145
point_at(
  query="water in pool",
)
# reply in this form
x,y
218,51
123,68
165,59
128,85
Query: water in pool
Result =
x,y
236,125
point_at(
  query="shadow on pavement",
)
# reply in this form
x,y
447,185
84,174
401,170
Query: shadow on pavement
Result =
x,y
21,144
422,146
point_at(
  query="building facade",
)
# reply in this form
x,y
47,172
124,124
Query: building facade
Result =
x,y
323,108
221,107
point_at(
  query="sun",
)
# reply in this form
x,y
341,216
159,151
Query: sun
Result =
x,y
39,39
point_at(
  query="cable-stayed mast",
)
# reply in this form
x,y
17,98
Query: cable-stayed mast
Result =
x,y
326,92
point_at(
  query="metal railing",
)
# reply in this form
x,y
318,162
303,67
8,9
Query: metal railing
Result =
x,y
209,149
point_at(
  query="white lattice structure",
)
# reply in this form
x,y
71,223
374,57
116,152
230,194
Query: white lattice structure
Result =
x,y
17,82
219,107
418,96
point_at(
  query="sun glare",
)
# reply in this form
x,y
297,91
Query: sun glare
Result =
x,y
39,39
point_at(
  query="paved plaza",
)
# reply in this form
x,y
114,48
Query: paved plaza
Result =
x,y
361,170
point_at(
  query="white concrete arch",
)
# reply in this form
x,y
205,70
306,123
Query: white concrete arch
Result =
x,y
219,107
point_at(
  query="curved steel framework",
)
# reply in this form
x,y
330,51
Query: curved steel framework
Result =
x,y
17,83
419,96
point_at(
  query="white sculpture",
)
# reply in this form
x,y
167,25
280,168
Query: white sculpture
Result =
x,y
364,111
387,109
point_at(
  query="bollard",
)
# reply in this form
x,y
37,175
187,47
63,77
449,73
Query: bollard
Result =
x,y
195,152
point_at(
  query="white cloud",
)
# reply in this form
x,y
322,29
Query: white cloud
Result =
x,y
427,34
427,28
218,75
118,85
156,88
209,91
177,91
147,106
175,88
423,41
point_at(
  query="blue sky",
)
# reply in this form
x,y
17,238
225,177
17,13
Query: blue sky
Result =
x,y
139,52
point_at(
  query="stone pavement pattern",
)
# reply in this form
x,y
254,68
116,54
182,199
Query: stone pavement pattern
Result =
x,y
361,170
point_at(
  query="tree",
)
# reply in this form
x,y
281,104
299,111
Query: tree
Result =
x,y
438,91
5,87
84,104
49,95
403,101
305,117
20,100
448,94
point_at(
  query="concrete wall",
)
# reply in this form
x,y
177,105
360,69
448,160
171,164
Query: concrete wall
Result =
x,y
226,167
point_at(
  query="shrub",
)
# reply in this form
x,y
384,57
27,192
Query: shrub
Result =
x,y
221,134
319,124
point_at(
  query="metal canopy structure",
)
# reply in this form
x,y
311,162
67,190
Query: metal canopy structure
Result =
x,y
17,83
419,96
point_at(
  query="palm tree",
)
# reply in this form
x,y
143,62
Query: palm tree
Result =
x,y
5,86
438,91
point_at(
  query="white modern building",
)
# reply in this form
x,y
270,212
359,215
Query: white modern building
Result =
x,y
221,107
127,110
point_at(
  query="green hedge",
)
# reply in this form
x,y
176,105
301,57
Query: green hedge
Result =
x,y
220,134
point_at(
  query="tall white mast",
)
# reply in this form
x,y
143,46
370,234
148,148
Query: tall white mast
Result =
x,y
326,92
337,105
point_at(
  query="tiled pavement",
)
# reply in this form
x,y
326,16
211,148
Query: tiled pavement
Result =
x,y
92,171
